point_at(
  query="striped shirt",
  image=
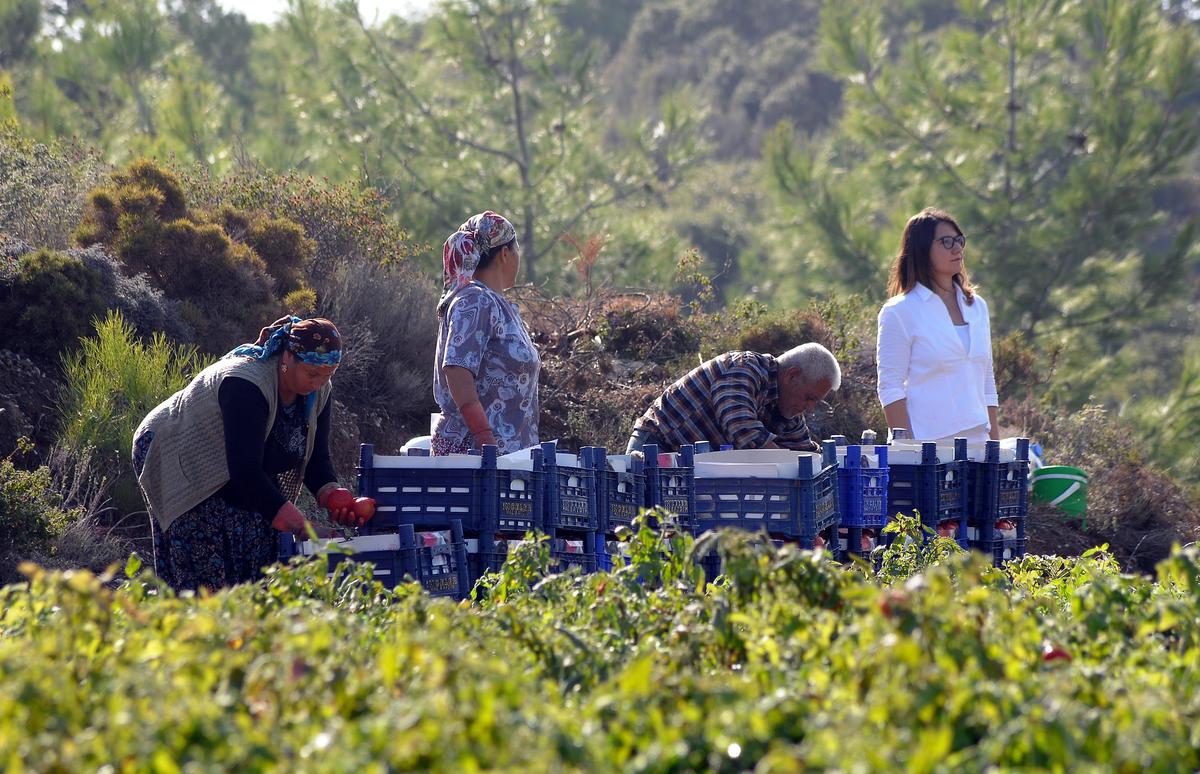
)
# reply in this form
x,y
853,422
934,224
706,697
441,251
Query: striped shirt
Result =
x,y
731,399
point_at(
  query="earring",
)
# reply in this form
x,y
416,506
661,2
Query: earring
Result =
x,y
283,368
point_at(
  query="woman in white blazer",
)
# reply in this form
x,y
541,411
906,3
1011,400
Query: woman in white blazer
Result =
x,y
934,350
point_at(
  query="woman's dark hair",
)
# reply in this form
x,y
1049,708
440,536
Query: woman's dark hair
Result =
x,y
486,257
912,264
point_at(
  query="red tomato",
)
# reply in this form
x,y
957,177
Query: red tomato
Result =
x,y
1054,653
364,509
818,542
339,499
948,529
893,601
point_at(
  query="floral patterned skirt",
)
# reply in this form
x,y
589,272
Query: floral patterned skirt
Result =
x,y
214,544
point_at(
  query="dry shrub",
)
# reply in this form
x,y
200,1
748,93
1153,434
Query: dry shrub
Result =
x,y
389,325
843,325
1134,507
43,187
348,224
224,287
605,358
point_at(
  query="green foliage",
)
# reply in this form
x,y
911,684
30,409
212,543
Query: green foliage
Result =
x,y
1170,423
787,658
1050,163
31,513
19,22
113,380
50,303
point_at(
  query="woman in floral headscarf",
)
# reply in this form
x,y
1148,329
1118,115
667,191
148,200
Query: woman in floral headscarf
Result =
x,y
221,461
486,369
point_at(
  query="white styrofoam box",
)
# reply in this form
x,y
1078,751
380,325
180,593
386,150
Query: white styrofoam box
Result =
x,y
758,456
420,442
619,463
754,463
517,463
563,459
451,462
357,545
446,461
742,470
975,451
522,459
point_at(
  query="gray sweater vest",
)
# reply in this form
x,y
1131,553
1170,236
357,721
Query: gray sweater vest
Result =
x,y
185,463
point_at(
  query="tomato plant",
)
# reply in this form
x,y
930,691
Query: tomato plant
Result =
x,y
926,658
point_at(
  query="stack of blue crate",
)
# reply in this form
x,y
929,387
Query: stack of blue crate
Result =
x,y
930,482
492,500
629,484
999,501
862,496
569,515
440,566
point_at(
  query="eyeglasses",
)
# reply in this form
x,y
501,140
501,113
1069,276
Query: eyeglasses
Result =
x,y
948,242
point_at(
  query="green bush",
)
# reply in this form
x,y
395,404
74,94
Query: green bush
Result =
x,y
349,224
112,381
50,303
206,260
31,515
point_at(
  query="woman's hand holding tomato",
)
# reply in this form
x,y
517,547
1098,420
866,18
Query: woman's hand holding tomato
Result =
x,y
340,503
363,509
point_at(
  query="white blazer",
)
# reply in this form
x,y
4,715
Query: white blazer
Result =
x,y
920,357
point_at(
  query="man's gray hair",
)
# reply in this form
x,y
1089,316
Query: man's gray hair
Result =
x,y
815,362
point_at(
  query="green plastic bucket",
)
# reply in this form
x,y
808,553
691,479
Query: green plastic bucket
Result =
x,y
1062,486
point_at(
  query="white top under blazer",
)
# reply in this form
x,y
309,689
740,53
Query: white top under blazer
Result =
x,y
920,357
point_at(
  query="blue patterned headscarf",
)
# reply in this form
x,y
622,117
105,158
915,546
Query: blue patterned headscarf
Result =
x,y
314,341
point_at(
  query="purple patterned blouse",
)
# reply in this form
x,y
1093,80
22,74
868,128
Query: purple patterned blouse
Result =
x,y
482,331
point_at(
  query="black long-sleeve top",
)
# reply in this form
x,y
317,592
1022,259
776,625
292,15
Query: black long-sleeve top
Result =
x,y
253,462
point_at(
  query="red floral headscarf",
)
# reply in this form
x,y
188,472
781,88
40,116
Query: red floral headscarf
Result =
x,y
464,249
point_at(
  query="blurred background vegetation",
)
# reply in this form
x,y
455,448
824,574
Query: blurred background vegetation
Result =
x,y
686,176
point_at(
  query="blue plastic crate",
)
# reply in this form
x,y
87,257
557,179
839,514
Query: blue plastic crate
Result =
x,y
672,488
387,564
484,499
1001,550
581,551
850,542
441,568
862,490
619,495
999,490
935,488
569,493
564,555
799,508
